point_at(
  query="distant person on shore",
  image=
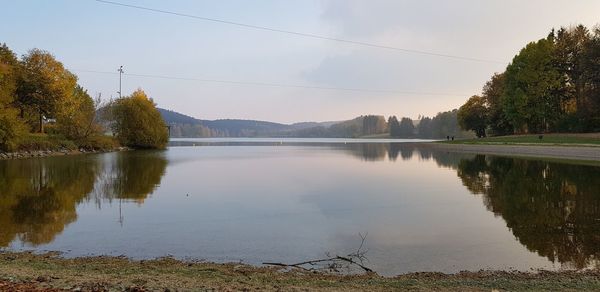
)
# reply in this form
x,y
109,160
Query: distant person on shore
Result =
x,y
448,138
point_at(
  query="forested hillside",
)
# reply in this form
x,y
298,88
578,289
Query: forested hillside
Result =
x,y
438,127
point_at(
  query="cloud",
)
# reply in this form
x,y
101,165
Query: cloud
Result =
x,y
492,30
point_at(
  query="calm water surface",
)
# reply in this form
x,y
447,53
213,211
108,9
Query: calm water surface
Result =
x,y
291,200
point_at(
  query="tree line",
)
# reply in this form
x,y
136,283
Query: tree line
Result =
x,y
40,98
551,85
442,125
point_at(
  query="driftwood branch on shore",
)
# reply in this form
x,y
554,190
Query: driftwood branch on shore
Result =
x,y
332,263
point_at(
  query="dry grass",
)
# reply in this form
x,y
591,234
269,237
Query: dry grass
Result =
x,y
167,274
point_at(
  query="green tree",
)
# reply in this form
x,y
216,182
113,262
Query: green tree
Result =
x,y
591,71
76,117
473,116
44,84
137,122
407,128
570,58
12,129
424,128
445,124
8,75
493,90
394,126
373,124
530,100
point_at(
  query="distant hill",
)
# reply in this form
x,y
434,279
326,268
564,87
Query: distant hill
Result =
x,y
438,127
186,126
172,117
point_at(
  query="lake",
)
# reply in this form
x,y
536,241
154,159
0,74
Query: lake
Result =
x,y
290,200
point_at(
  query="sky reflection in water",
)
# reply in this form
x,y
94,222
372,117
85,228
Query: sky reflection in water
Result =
x,y
423,210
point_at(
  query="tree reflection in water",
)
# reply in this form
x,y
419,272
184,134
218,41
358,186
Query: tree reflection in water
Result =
x,y
39,197
130,176
552,208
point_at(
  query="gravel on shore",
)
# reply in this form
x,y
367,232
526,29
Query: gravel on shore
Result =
x,y
56,152
50,272
588,153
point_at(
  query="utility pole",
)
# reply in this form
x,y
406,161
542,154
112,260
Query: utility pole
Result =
x,y
120,73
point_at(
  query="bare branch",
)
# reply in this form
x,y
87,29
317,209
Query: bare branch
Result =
x,y
333,263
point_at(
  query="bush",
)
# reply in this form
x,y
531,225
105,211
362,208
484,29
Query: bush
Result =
x,y
12,130
36,142
137,122
98,142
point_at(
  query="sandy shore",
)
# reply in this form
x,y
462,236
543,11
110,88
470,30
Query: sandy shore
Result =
x,y
588,153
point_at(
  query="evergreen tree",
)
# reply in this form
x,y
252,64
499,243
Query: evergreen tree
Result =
x,y
394,126
407,128
424,128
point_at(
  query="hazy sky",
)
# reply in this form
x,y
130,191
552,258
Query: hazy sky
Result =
x,y
88,35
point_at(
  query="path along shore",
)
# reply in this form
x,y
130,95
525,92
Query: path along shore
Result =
x,y
576,152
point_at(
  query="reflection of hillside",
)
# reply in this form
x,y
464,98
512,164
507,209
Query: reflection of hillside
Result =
x,y
553,209
367,152
39,197
406,151
443,158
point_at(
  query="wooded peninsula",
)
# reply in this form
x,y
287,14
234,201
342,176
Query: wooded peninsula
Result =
x,y
42,107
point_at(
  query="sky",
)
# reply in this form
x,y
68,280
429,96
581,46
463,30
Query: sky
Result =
x,y
93,39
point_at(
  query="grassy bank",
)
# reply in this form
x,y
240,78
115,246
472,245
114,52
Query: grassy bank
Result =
x,y
588,139
121,274
48,142
43,145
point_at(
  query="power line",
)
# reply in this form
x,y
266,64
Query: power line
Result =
x,y
309,35
270,84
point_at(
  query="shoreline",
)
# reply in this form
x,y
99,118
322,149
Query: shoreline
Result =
x,y
50,272
55,152
574,152
565,151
